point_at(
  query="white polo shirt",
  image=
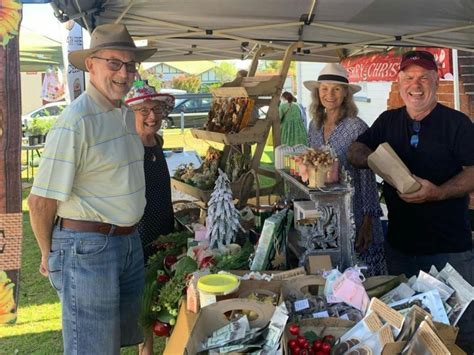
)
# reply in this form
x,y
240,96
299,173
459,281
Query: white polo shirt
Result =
x,y
93,163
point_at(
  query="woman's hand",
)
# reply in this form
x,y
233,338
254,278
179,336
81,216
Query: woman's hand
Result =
x,y
364,235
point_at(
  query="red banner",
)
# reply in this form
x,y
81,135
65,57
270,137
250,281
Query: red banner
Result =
x,y
384,66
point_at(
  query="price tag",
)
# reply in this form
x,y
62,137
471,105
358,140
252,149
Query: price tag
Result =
x,y
301,304
322,314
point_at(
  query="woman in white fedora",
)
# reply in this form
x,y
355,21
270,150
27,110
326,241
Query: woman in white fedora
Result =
x,y
335,123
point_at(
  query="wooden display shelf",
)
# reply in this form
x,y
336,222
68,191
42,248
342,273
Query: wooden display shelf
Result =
x,y
205,195
262,85
254,134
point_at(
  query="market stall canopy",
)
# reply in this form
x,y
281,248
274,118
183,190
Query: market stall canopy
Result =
x,y
38,52
330,29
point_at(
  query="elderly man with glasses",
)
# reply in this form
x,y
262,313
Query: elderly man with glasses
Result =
x,y
430,226
87,198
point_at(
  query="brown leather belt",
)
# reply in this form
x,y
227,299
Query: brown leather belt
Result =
x,y
93,227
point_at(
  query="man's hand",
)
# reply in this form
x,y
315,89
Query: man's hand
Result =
x,y
357,155
427,192
364,235
43,269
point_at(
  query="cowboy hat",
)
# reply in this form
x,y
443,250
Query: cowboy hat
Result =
x,y
141,92
110,36
332,73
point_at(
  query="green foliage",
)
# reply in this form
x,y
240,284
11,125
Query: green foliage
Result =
x,y
238,261
161,298
150,77
190,83
225,72
40,125
206,88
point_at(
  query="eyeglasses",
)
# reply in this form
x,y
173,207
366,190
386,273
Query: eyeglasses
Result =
x,y
116,64
415,138
157,110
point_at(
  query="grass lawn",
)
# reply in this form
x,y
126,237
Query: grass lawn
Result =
x,y
38,327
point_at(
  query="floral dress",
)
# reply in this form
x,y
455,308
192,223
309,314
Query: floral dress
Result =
x,y
365,200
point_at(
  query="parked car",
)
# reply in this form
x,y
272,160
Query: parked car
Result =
x,y
195,108
51,110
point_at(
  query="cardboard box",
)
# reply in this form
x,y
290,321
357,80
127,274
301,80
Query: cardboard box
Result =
x,y
303,284
317,264
321,326
213,317
181,331
447,333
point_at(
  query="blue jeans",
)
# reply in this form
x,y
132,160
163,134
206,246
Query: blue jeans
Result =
x,y
99,279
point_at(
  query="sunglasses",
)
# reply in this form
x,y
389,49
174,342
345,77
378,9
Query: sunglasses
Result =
x,y
157,110
116,64
415,137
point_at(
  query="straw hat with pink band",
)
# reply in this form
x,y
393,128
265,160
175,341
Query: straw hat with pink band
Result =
x,y
141,92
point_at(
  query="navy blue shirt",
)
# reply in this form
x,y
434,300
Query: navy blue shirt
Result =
x,y
446,144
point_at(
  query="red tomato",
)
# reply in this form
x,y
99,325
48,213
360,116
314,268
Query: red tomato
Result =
x,y
329,339
317,344
161,329
319,352
296,350
306,344
169,260
301,340
326,347
294,329
162,278
292,343
303,352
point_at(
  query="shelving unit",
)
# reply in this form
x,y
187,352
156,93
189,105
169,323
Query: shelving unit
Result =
x,y
336,224
264,90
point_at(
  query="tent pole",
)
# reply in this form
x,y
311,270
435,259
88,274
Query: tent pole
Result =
x,y
457,101
435,44
124,12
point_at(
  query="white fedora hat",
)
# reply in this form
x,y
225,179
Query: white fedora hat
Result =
x,y
110,36
332,73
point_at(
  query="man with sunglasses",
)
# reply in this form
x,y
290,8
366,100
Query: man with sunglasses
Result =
x,y
430,226
88,196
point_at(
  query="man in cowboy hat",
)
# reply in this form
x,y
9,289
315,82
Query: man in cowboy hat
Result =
x,y
430,226
87,197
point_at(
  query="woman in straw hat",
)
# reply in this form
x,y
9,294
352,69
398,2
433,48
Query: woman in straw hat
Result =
x,y
335,123
150,109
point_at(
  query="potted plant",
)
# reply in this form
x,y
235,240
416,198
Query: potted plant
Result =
x,y
34,131
45,125
38,128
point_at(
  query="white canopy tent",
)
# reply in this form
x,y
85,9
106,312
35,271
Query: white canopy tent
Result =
x,y
330,29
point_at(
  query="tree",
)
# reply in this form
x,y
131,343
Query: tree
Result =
x,y
190,83
150,77
225,72
222,216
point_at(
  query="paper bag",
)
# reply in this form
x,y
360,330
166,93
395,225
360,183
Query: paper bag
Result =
x,y
386,163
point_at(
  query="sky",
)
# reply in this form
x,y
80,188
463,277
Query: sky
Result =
x,y
40,19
